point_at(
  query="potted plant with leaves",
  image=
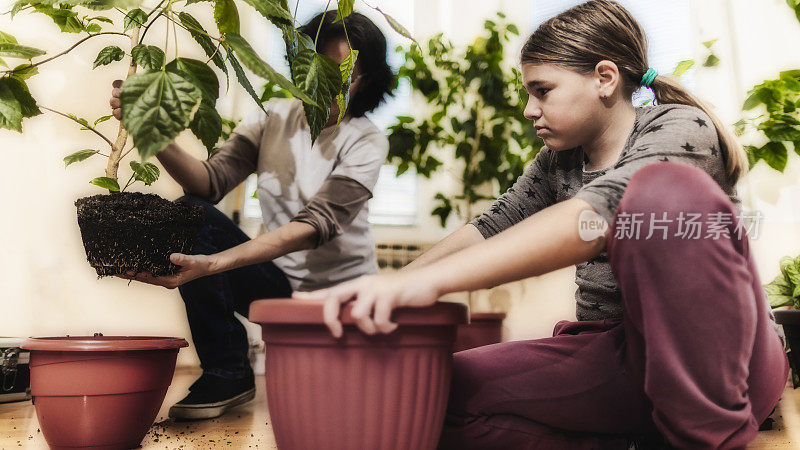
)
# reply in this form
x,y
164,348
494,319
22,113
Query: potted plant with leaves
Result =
x,y
125,231
784,294
772,126
472,129
160,98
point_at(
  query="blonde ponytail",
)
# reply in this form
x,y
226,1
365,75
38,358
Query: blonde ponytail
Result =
x,y
668,90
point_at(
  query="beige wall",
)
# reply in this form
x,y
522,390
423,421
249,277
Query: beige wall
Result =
x,y
48,288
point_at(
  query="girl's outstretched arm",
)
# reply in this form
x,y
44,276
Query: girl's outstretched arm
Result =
x,y
544,242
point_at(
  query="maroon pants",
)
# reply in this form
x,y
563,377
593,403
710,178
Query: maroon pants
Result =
x,y
695,357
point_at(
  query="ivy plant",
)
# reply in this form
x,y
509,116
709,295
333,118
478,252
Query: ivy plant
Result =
x,y
778,125
473,115
162,97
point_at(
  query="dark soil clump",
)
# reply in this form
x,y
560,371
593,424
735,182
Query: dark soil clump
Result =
x,y
131,231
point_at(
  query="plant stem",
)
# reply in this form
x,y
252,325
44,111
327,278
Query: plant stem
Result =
x,y
203,32
128,183
76,120
320,23
175,38
147,27
65,51
214,54
122,134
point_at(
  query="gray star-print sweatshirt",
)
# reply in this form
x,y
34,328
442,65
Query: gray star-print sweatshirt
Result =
x,y
668,132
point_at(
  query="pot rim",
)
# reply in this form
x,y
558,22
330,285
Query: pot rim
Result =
x,y
787,316
103,343
310,312
487,316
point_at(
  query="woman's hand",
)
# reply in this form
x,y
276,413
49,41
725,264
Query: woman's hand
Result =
x,y
192,267
375,298
116,105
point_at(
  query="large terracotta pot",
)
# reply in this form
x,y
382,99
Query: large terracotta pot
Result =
x,y
99,392
360,391
482,329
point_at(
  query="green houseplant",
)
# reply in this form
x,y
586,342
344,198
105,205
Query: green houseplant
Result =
x,y
160,98
472,128
777,128
784,293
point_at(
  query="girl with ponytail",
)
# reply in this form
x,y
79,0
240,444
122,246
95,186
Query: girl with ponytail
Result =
x,y
673,345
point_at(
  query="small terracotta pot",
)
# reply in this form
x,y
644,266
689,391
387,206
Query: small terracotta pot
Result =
x,y
359,391
99,392
482,329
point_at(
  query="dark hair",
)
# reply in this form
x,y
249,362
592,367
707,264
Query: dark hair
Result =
x,y
377,80
582,36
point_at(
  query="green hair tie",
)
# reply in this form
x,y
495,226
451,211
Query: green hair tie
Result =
x,y
648,77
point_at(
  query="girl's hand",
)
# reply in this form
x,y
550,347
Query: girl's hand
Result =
x,y
192,267
375,298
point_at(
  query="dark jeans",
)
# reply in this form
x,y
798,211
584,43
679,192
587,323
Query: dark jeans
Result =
x,y
219,337
694,357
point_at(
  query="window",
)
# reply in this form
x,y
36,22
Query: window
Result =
x,y
394,199
667,26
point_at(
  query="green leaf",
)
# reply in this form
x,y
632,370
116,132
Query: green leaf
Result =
x,y
23,96
196,30
18,7
6,38
775,154
242,77
343,9
264,70
24,71
156,106
108,55
512,29
708,44
147,173
134,18
207,126
751,102
199,74
273,10
106,183
711,61
778,131
779,292
346,70
227,16
10,109
792,271
80,120
102,5
396,26
790,81
80,155
102,119
93,28
12,50
66,19
3,63
100,19
682,67
319,78
296,41
148,56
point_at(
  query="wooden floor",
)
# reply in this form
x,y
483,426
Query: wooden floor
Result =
x,y
247,426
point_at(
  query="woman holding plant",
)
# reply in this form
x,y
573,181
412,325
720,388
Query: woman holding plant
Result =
x,y
313,196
